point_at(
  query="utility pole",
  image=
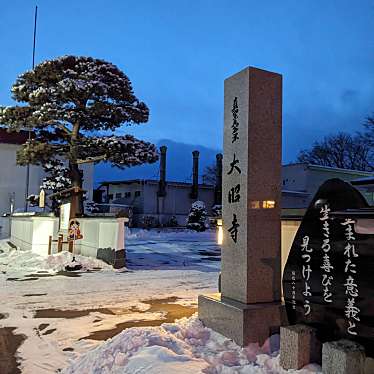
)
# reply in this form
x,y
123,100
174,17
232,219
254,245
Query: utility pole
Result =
x,y
29,140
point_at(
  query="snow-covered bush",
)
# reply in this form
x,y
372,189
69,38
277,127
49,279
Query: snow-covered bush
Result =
x,y
148,222
197,216
217,210
92,207
173,222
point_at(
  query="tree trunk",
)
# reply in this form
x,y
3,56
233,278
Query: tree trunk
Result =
x,y
77,181
76,176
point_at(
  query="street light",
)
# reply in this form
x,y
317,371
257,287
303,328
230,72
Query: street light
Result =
x,y
219,232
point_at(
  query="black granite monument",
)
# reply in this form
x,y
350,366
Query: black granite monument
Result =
x,y
328,281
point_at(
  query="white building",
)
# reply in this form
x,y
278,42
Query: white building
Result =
x,y
13,177
366,186
142,196
300,182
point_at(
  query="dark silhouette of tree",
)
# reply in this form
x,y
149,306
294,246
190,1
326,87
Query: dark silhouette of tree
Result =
x,y
342,150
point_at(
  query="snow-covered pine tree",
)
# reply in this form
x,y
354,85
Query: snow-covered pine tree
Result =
x,y
197,216
217,210
57,179
66,102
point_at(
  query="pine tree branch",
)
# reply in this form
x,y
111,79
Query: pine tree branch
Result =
x,y
91,160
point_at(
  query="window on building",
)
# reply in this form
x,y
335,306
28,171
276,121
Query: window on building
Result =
x,y
137,193
268,204
127,194
118,195
263,204
255,204
110,196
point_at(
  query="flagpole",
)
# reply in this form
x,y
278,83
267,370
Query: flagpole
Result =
x,y
29,138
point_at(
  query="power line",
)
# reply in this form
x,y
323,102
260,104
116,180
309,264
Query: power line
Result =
x,y
29,139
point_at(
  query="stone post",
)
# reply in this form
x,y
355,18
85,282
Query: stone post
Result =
x,y
161,193
249,308
195,175
343,357
299,346
162,181
218,186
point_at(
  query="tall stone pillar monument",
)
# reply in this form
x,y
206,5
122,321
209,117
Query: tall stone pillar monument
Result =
x,y
249,306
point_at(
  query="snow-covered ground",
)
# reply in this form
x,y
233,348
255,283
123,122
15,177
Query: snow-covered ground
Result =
x,y
58,313
66,317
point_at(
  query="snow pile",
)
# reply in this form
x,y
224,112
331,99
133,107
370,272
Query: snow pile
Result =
x,y
184,347
58,262
16,261
4,246
12,260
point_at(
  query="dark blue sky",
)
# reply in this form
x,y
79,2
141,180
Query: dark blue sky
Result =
x,y
177,54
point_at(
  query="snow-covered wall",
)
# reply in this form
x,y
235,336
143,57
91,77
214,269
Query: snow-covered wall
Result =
x,y
100,233
289,230
32,232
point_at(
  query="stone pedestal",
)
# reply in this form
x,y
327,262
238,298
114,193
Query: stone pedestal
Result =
x,y
369,365
249,310
298,347
112,257
343,357
243,323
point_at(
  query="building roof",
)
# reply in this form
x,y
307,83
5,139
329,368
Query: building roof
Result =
x,y
292,192
367,213
330,168
363,181
292,214
368,178
13,137
151,181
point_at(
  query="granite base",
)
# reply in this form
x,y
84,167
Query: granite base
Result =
x,y
243,323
